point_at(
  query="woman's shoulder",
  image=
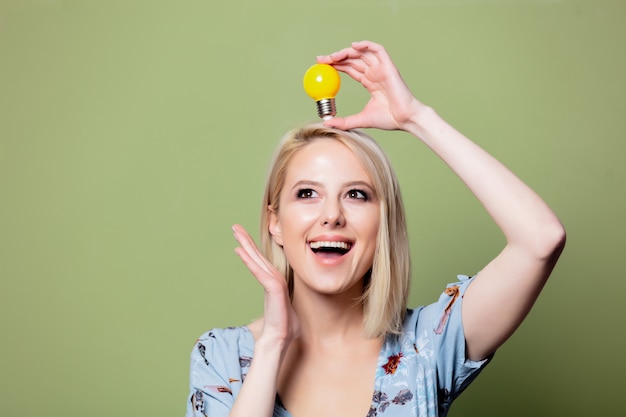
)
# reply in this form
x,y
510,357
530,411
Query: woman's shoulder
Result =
x,y
220,360
435,316
225,341
256,327
224,332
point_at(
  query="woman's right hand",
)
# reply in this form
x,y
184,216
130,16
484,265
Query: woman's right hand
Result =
x,y
280,322
280,326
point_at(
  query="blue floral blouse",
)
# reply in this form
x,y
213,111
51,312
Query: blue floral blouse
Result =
x,y
419,373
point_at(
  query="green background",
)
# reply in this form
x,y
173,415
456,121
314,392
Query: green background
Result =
x,y
134,133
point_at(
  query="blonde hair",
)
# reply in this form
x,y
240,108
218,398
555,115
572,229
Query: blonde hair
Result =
x,y
386,289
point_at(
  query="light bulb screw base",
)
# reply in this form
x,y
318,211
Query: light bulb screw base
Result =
x,y
326,108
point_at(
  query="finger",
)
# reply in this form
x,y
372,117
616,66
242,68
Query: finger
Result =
x,y
371,52
346,123
356,73
354,57
342,54
271,283
253,266
244,239
370,46
323,59
250,248
374,51
359,76
348,54
366,45
262,270
355,65
254,263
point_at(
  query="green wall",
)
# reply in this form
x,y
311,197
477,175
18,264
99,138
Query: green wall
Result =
x,y
133,133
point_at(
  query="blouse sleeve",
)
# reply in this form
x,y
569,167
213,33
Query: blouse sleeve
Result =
x,y
454,371
216,374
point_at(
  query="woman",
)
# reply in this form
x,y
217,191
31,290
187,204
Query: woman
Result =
x,y
335,338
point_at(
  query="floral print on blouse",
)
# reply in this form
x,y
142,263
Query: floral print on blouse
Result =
x,y
419,372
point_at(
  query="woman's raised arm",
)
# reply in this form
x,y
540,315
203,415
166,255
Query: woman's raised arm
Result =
x,y
504,291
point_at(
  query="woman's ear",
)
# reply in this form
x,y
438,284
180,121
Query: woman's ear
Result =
x,y
274,226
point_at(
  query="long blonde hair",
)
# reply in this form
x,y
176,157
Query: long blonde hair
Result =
x,y
386,289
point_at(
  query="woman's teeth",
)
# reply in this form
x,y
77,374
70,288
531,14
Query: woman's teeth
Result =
x,y
330,246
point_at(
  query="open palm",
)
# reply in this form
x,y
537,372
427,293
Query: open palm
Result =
x,y
279,320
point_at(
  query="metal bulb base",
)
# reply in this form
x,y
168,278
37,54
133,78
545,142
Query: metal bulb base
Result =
x,y
326,108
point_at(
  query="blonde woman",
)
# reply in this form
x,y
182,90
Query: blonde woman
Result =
x,y
336,338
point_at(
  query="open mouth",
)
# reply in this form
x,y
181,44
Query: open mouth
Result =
x,y
330,248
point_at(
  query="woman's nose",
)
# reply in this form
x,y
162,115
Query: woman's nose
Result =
x,y
332,215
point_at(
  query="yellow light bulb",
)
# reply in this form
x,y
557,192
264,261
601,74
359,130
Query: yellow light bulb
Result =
x,y
321,83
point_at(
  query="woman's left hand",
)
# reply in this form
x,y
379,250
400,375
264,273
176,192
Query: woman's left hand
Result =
x,y
391,105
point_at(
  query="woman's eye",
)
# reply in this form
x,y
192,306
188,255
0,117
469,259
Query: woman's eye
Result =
x,y
358,194
306,193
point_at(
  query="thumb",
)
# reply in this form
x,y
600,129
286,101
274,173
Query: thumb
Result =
x,y
344,123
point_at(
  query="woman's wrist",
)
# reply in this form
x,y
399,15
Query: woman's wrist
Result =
x,y
422,120
270,348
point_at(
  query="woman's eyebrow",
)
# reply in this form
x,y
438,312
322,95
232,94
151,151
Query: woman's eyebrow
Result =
x,y
306,183
357,183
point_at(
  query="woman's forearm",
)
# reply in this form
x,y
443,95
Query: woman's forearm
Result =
x,y
258,392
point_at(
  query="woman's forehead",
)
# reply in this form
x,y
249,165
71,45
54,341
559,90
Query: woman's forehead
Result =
x,y
326,157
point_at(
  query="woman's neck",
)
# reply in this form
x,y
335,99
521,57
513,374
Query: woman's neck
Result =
x,y
329,319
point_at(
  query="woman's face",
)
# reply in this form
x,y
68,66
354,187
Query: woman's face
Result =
x,y
328,219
